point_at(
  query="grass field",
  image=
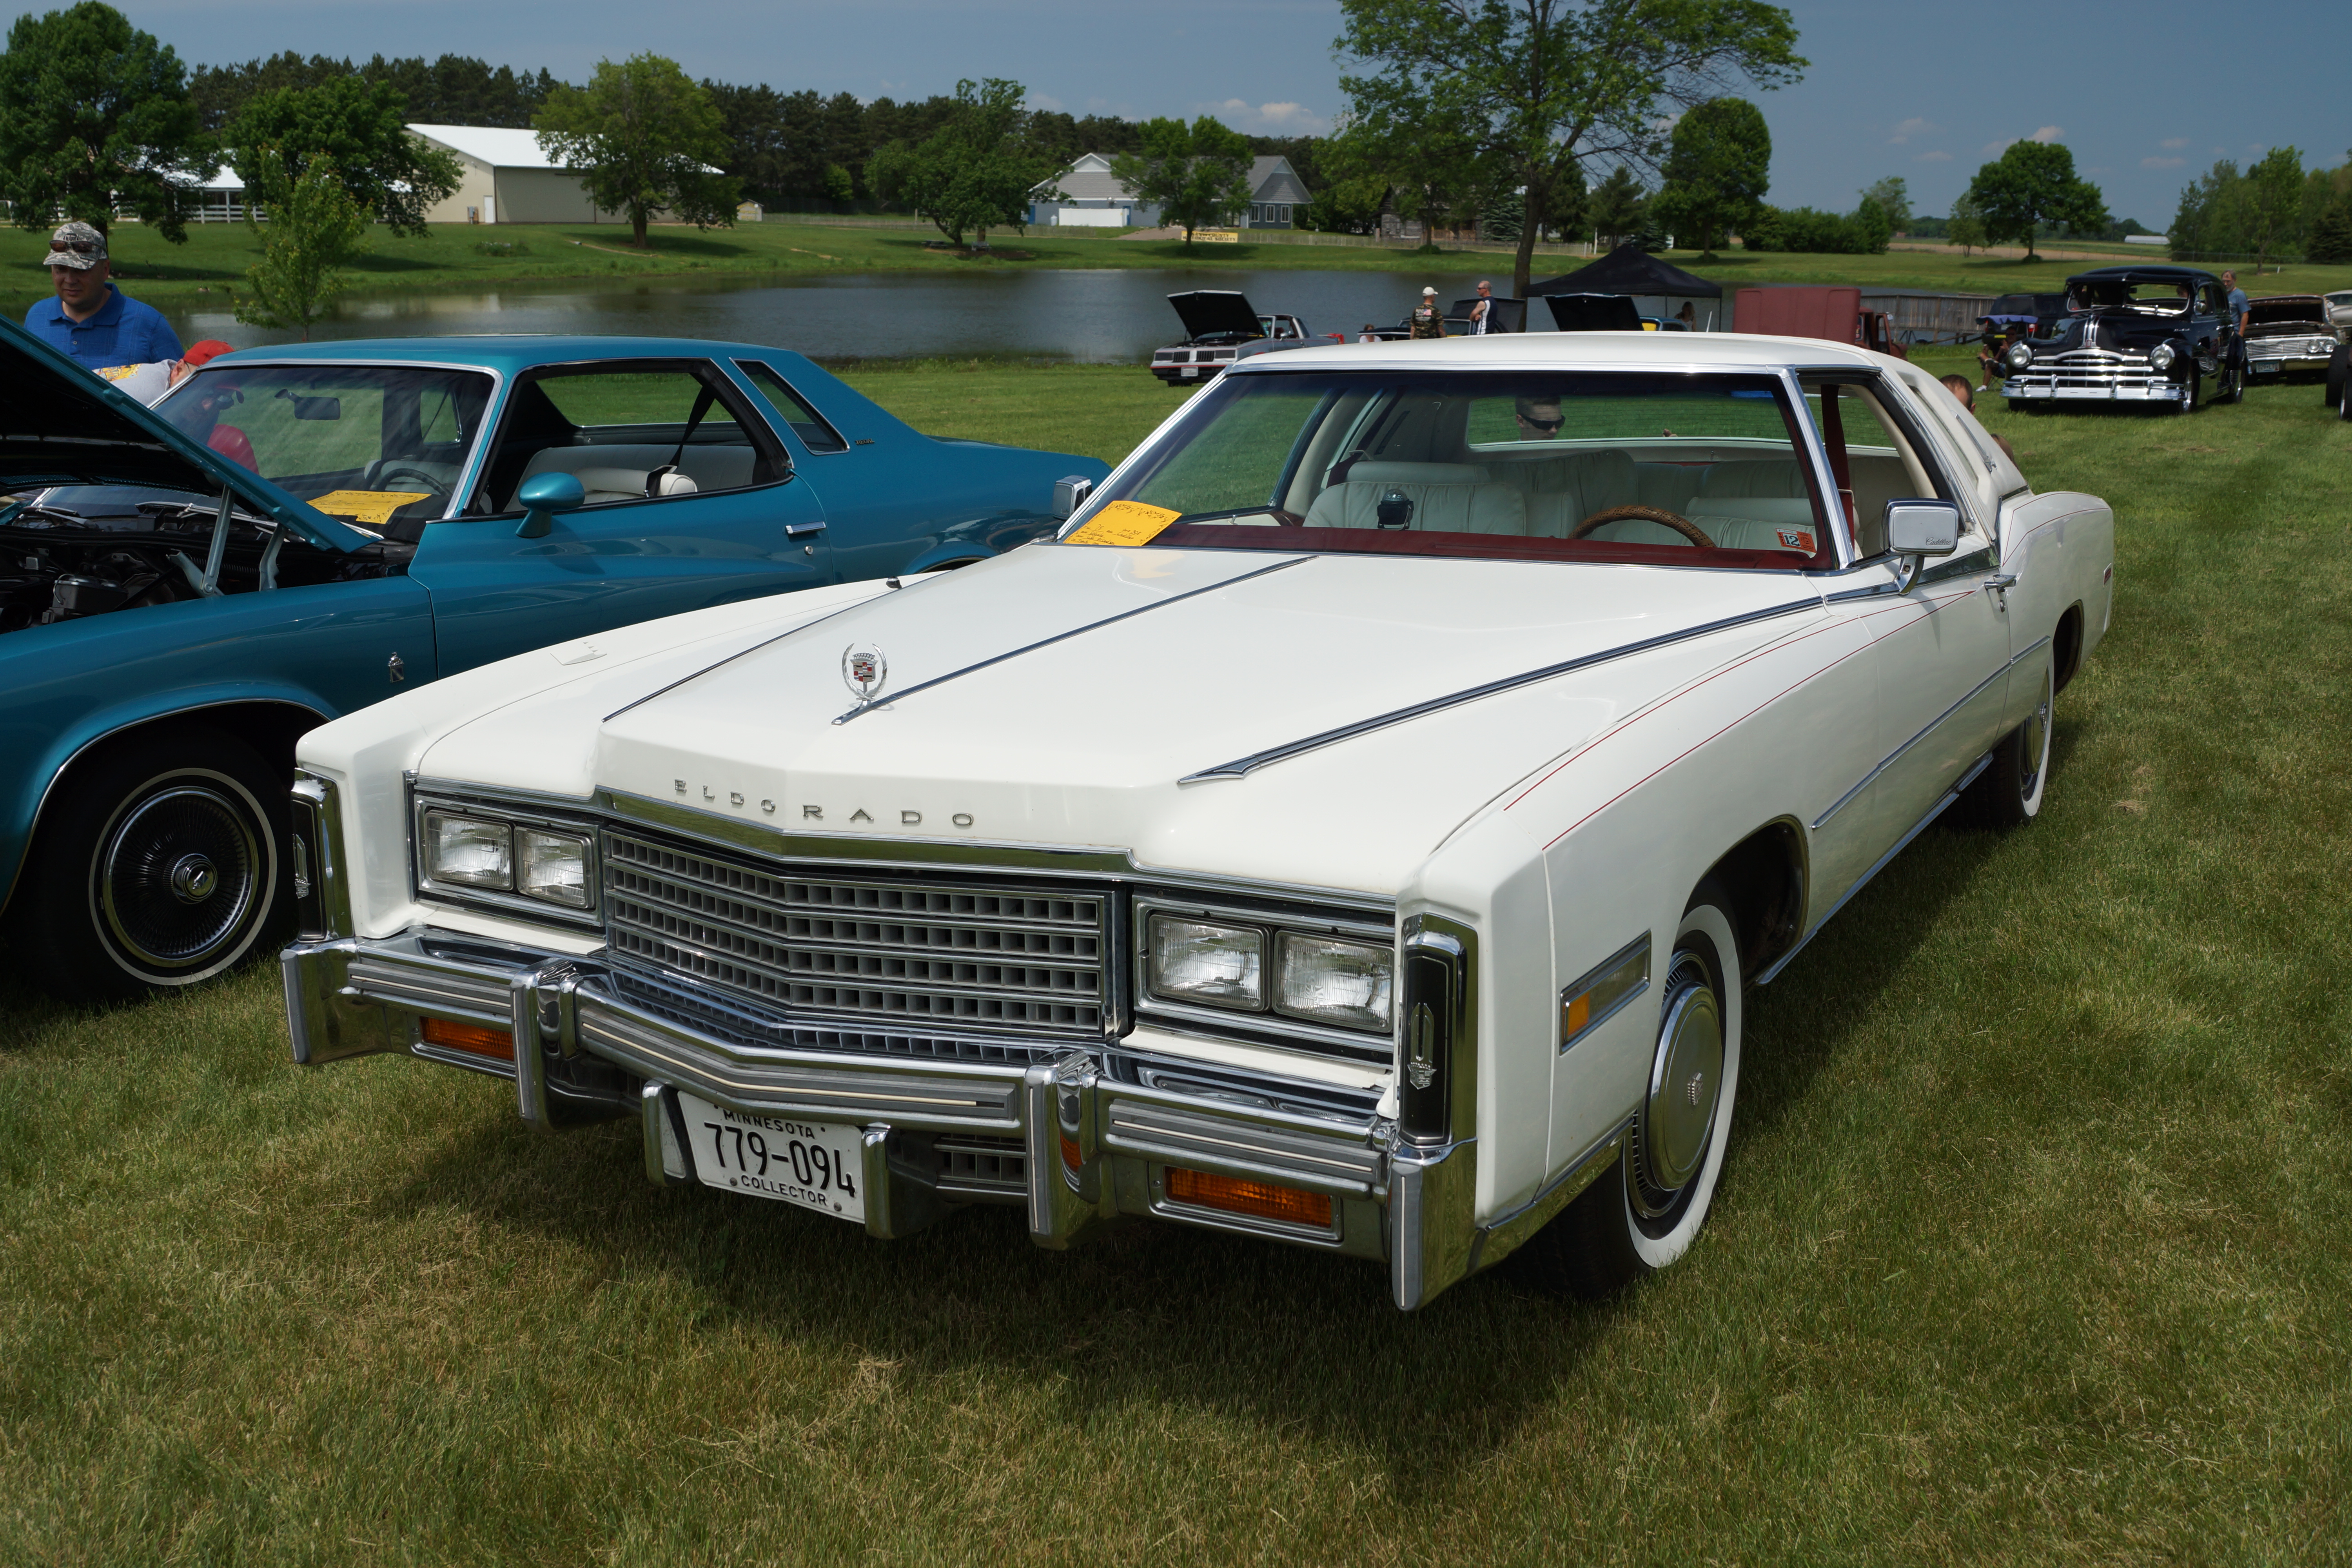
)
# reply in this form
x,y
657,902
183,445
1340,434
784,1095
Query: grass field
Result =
x,y
2033,1246
211,267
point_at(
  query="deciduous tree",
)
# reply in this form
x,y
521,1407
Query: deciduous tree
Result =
x,y
643,139
1555,85
1966,228
973,173
315,228
359,127
2273,203
2033,185
1196,174
1892,197
95,115
1717,171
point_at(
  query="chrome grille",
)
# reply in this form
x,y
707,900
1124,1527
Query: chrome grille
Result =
x,y
935,951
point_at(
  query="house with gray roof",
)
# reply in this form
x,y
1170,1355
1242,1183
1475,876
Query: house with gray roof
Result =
x,y
1092,197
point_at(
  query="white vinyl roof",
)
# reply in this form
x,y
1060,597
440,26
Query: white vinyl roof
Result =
x,y
1546,350
495,145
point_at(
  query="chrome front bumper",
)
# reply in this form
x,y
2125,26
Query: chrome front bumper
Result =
x,y
2081,388
1074,1132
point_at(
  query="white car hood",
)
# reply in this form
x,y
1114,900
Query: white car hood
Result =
x,y
1083,741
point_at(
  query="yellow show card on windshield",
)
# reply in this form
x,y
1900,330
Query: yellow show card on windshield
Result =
x,y
373,508
1124,522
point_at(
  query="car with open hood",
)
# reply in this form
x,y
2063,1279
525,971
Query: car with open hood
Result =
x,y
2290,334
293,533
1364,827
1221,328
2156,336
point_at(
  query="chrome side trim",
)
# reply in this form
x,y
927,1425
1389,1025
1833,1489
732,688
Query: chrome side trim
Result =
x,y
1255,1144
1241,767
1507,1233
1862,882
887,699
1895,756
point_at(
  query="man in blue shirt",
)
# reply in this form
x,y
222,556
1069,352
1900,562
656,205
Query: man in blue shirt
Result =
x,y
2239,308
90,318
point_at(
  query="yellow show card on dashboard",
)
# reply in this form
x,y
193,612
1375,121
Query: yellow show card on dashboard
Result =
x,y
1124,522
373,508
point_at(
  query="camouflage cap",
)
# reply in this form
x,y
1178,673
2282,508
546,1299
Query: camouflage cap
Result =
x,y
76,245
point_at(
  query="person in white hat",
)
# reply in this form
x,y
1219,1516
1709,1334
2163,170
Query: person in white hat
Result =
x,y
1427,321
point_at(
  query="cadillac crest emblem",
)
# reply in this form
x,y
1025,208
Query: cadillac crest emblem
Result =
x,y
863,670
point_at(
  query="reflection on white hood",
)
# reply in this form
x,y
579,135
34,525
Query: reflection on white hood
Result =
x,y
1206,656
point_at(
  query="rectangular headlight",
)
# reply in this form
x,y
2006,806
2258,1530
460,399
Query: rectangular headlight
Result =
x,y
468,851
1334,981
1218,966
553,866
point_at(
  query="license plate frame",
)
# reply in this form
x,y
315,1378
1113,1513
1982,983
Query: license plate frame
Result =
x,y
818,1166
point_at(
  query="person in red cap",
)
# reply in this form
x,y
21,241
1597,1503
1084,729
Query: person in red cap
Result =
x,y
226,439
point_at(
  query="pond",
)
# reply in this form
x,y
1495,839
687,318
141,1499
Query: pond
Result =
x,y
1101,316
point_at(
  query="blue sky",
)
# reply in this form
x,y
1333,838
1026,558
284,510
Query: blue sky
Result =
x,y
2146,96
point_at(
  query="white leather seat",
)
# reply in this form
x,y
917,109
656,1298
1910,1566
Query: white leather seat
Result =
x,y
619,473
1447,497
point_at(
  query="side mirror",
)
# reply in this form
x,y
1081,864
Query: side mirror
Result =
x,y
1918,527
543,498
1071,494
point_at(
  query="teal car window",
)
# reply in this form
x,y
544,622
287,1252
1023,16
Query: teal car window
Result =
x,y
811,426
374,444
629,431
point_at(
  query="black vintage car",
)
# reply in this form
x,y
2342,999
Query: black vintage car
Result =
x,y
2160,335
1221,328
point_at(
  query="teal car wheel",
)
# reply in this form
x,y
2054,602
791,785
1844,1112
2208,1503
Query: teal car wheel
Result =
x,y
172,841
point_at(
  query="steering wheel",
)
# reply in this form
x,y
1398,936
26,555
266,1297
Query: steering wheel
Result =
x,y
1657,514
440,486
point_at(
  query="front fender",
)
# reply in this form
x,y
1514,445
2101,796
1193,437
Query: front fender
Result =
x,y
322,649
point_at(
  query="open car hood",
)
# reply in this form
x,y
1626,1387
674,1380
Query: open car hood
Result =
x,y
60,424
1205,312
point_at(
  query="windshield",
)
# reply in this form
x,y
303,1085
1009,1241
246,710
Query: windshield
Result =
x,y
374,444
1667,469
2152,298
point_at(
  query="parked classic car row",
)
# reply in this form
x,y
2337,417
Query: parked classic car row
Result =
x,y
294,533
2152,335
1359,826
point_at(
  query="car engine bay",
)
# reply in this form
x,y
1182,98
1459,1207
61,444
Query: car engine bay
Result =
x,y
72,552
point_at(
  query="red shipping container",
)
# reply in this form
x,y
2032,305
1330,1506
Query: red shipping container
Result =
x,y
1831,312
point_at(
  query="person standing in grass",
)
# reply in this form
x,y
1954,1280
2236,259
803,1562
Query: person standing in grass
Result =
x,y
1482,314
90,318
2239,308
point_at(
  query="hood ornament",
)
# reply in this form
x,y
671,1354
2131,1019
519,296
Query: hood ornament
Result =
x,y
864,671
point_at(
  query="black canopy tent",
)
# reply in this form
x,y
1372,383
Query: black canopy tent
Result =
x,y
1635,273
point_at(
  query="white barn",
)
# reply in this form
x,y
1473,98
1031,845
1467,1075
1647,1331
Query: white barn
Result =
x,y
1092,197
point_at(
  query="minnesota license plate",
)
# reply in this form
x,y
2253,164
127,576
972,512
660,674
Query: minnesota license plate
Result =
x,y
810,1165
2264,369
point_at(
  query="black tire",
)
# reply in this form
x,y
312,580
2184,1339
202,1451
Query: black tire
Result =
x,y
2196,384
2020,406
2234,383
1644,1213
2009,792
2340,368
161,866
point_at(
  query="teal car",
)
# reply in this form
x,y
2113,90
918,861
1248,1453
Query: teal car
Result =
x,y
293,533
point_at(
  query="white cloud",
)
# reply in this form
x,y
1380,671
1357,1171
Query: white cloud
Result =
x,y
2175,142
1933,158
1995,149
1915,126
1281,119
2049,133
2162,162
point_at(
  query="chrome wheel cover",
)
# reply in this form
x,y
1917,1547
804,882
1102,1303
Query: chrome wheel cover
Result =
x,y
2033,747
178,874
1685,1088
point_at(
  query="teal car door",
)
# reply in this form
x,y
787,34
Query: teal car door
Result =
x,y
690,502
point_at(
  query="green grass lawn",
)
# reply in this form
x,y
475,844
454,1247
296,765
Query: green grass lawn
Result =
x,y
2035,1244
210,268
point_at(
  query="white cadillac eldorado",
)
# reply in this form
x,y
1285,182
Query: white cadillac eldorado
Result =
x,y
1358,829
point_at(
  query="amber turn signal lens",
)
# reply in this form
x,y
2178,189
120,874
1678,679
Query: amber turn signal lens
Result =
x,y
1257,1199
471,1039
1070,1155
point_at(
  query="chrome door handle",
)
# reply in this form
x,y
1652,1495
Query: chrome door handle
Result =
x,y
2000,581
800,530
